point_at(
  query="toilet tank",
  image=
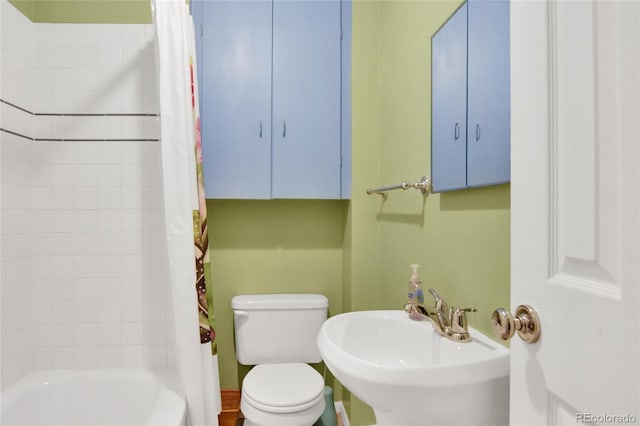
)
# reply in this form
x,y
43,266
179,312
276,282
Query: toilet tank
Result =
x,y
277,328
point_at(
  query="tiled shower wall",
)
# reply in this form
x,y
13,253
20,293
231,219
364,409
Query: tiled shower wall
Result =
x,y
16,171
83,251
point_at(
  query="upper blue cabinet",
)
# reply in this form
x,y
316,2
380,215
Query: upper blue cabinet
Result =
x,y
271,104
470,104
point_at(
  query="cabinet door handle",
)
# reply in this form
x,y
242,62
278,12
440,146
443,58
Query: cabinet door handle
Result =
x,y
260,135
284,128
477,132
456,131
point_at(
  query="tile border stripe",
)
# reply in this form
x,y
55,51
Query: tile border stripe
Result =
x,y
50,114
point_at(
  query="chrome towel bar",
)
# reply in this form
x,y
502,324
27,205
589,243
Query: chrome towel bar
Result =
x,y
423,185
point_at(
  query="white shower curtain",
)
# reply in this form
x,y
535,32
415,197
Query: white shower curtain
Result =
x,y
185,209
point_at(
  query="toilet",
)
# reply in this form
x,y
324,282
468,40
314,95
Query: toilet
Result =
x,y
277,334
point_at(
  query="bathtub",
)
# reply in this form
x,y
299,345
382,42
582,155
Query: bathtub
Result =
x,y
118,397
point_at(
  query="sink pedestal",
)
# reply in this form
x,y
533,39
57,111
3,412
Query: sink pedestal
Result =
x,y
489,409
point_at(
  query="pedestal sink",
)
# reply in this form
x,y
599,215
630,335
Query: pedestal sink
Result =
x,y
411,376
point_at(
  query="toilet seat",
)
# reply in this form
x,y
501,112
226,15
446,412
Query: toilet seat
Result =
x,y
283,388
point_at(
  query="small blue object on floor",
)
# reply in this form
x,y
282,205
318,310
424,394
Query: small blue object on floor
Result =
x,y
328,417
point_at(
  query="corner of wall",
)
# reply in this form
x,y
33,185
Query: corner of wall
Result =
x,y
27,7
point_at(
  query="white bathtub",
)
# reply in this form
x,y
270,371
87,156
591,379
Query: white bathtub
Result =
x,y
118,397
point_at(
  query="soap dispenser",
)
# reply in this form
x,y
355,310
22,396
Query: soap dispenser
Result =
x,y
415,294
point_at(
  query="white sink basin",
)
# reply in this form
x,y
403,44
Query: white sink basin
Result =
x,y
411,376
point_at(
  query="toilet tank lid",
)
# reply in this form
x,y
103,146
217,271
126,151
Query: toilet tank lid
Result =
x,y
249,302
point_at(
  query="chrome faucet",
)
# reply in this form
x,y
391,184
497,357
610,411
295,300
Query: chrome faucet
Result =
x,y
449,323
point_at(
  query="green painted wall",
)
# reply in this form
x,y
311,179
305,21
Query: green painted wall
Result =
x,y
460,238
86,11
276,246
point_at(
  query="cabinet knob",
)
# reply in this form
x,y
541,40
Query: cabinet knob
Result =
x,y
284,128
477,132
456,131
260,135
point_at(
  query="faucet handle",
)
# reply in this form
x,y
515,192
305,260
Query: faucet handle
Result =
x,y
441,304
435,295
459,319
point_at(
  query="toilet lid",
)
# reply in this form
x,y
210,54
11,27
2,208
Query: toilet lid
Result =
x,y
283,387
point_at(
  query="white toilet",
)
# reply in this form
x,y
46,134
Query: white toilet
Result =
x,y
277,333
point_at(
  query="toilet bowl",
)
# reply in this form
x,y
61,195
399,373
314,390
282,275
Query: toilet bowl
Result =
x,y
282,395
277,333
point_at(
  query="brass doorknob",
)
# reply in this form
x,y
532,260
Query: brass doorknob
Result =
x,y
525,321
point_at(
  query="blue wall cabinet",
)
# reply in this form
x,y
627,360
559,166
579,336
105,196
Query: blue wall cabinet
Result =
x,y
449,104
271,98
471,108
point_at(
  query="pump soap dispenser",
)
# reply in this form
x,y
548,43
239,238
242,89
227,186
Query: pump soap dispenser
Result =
x,y
415,293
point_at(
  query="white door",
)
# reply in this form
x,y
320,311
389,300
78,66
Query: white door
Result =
x,y
575,99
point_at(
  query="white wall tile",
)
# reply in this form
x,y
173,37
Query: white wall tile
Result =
x,y
132,312
109,152
109,198
86,220
132,197
63,198
87,34
110,266
154,311
86,153
110,34
62,335
86,289
133,356
62,312
86,313
109,311
43,310
109,243
86,357
84,200
63,357
86,266
87,55
132,243
110,356
157,356
62,288
109,221
109,334
132,289
87,335
85,175
62,243
132,174
62,220
110,289
42,357
132,333
131,265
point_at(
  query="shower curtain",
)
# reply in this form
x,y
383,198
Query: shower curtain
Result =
x,y
186,210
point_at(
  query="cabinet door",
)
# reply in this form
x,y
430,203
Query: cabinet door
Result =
x,y
449,104
306,99
489,106
236,101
